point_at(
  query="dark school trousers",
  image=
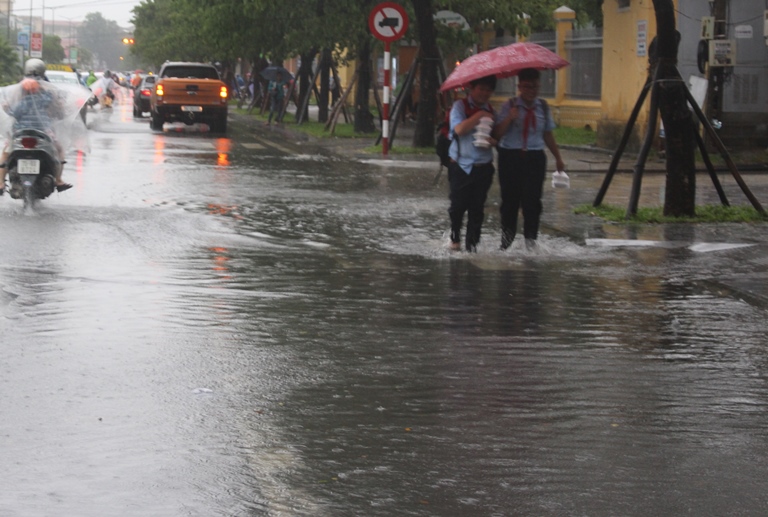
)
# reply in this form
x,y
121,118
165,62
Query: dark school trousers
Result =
x,y
521,179
274,108
468,194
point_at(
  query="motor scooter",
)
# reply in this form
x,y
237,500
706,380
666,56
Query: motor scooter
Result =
x,y
29,118
32,165
105,100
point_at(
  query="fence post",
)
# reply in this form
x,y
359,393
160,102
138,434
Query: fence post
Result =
x,y
564,18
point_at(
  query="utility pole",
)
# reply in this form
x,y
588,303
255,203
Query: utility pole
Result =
x,y
716,74
30,30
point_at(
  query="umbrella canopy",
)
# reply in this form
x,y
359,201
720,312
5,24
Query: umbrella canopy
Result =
x,y
270,73
503,62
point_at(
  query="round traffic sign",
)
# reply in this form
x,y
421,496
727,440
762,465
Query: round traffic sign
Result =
x,y
388,21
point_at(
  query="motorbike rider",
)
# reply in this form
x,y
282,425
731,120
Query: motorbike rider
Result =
x,y
136,80
104,89
36,109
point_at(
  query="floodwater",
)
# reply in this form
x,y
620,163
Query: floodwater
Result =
x,y
239,326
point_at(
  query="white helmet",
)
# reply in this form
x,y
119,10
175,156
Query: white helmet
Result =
x,y
34,68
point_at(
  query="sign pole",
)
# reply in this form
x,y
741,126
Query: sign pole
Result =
x,y
387,22
387,85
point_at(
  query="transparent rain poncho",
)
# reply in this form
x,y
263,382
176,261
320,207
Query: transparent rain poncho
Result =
x,y
52,108
103,85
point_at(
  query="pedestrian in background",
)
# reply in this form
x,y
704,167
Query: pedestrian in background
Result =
x,y
470,172
276,92
523,128
136,80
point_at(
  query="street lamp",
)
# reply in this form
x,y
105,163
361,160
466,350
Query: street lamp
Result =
x,y
53,19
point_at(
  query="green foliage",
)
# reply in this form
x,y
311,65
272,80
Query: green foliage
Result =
x,y
227,29
224,30
574,136
455,44
704,214
84,58
588,12
171,30
401,150
103,38
309,127
53,52
10,71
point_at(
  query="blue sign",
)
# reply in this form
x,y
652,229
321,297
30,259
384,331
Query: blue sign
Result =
x,y
23,40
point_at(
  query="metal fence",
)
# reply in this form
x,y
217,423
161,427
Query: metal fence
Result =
x,y
547,40
505,86
508,86
584,48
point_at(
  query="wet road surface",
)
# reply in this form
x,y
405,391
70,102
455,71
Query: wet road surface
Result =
x,y
238,326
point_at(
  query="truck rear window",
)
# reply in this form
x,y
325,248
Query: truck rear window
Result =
x,y
191,72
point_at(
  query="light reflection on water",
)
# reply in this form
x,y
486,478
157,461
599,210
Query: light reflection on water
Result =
x,y
299,342
560,380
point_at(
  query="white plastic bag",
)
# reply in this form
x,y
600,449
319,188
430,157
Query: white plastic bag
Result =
x,y
560,180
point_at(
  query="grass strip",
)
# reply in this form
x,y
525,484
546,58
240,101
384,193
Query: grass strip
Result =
x,y
563,135
655,215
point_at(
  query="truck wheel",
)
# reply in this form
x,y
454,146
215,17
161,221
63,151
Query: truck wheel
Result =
x,y
223,123
219,124
155,122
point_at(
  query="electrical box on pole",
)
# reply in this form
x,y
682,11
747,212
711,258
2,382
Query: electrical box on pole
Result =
x,y
718,63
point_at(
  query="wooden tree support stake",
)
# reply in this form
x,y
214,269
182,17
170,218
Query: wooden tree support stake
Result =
x,y
341,103
652,86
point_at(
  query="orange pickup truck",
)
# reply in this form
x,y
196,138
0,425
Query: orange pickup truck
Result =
x,y
189,93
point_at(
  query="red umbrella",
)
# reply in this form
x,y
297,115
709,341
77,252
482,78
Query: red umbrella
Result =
x,y
503,62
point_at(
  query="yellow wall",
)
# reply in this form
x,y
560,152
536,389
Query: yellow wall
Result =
x,y
624,72
570,112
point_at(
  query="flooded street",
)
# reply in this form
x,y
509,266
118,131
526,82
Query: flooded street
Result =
x,y
240,326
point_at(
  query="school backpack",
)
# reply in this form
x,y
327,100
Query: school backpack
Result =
x,y
443,138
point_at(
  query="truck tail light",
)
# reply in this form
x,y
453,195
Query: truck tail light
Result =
x,y
159,90
223,92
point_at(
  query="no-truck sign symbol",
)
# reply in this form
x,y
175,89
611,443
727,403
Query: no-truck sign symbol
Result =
x,y
388,21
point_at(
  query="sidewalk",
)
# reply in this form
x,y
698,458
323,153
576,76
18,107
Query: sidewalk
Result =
x,y
587,169
586,166
577,158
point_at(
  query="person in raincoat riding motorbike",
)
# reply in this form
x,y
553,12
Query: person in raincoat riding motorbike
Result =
x,y
36,109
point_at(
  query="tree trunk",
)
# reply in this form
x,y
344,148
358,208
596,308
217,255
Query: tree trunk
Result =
x,y
325,80
424,135
363,117
680,199
305,75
